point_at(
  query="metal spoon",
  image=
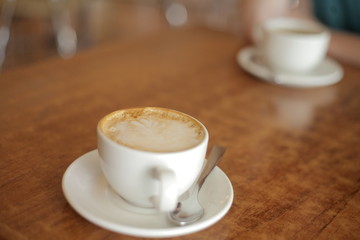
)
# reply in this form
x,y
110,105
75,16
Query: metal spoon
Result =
x,y
189,209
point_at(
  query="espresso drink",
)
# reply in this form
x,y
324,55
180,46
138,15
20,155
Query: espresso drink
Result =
x,y
152,129
296,31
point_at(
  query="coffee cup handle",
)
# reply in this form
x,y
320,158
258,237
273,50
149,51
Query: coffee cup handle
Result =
x,y
258,35
168,195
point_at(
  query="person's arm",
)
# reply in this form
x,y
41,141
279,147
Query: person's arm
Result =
x,y
345,47
254,12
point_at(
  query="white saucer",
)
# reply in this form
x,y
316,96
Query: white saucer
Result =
x,y
327,73
87,191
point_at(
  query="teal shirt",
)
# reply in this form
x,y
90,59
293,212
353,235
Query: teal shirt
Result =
x,y
339,14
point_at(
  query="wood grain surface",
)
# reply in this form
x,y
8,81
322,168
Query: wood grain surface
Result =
x,y
293,155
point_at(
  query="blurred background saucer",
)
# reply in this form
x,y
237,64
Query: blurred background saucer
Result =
x,y
327,73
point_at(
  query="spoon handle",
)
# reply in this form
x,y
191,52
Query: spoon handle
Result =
x,y
215,155
188,209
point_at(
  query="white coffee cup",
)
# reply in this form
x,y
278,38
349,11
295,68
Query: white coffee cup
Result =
x,y
292,45
150,156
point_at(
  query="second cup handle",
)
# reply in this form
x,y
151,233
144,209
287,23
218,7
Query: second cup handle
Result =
x,y
168,196
258,35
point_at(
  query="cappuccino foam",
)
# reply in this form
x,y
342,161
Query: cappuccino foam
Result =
x,y
153,129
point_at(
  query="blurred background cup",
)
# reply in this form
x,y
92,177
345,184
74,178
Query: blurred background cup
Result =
x,y
292,45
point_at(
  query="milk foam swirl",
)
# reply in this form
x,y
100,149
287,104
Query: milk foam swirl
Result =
x,y
154,131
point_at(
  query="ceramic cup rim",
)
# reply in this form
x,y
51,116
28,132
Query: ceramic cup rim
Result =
x,y
112,143
316,29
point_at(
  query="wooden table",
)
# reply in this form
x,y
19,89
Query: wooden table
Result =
x,y
293,155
